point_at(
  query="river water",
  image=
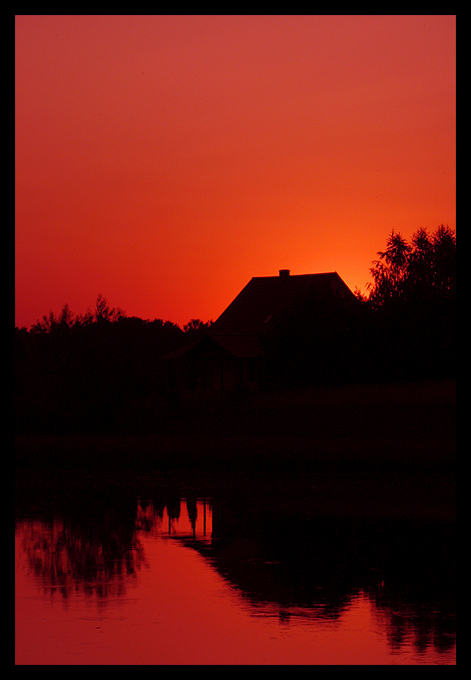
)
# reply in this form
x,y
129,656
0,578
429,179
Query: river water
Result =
x,y
172,573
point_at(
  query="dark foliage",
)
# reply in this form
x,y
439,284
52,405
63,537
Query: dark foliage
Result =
x,y
413,302
88,373
100,371
403,330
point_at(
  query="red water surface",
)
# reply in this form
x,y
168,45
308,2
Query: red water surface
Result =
x,y
171,607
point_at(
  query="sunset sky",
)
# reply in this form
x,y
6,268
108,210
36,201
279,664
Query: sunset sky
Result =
x,y
163,161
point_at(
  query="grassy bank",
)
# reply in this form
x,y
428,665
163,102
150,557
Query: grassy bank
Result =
x,y
393,427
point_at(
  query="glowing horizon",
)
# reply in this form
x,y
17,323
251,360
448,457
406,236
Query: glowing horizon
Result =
x,y
163,161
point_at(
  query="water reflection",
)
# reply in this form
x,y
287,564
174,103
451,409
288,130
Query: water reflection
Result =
x,y
283,563
83,546
317,566
165,518
68,559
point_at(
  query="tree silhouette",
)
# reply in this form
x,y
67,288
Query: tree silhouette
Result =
x,y
195,328
425,268
89,372
101,370
390,271
105,313
403,329
412,298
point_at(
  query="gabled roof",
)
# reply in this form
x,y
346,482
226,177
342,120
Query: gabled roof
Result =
x,y
266,298
259,305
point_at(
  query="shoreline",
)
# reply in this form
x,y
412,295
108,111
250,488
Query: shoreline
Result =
x,y
409,426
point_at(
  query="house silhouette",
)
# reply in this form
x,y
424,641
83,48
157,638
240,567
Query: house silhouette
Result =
x,y
232,352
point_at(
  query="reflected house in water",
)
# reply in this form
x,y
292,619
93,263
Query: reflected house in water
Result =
x,y
280,560
232,354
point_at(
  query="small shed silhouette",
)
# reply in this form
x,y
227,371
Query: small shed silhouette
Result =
x,y
232,353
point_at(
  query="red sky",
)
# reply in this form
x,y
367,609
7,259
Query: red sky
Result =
x,y
163,161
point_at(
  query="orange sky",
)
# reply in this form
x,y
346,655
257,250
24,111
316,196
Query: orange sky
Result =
x,y
163,161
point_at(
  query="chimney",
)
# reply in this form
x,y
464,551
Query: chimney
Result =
x,y
284,273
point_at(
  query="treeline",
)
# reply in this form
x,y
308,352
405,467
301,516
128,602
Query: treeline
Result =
x,y
412,304
402,329
83,373
100,370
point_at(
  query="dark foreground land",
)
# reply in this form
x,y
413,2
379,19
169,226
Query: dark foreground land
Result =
x,y
389,446
405,426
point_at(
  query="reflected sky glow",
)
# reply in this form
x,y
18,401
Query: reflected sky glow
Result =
x,y
163,602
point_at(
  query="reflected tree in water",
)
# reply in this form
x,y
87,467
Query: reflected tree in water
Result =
x,y
94,558
272,553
